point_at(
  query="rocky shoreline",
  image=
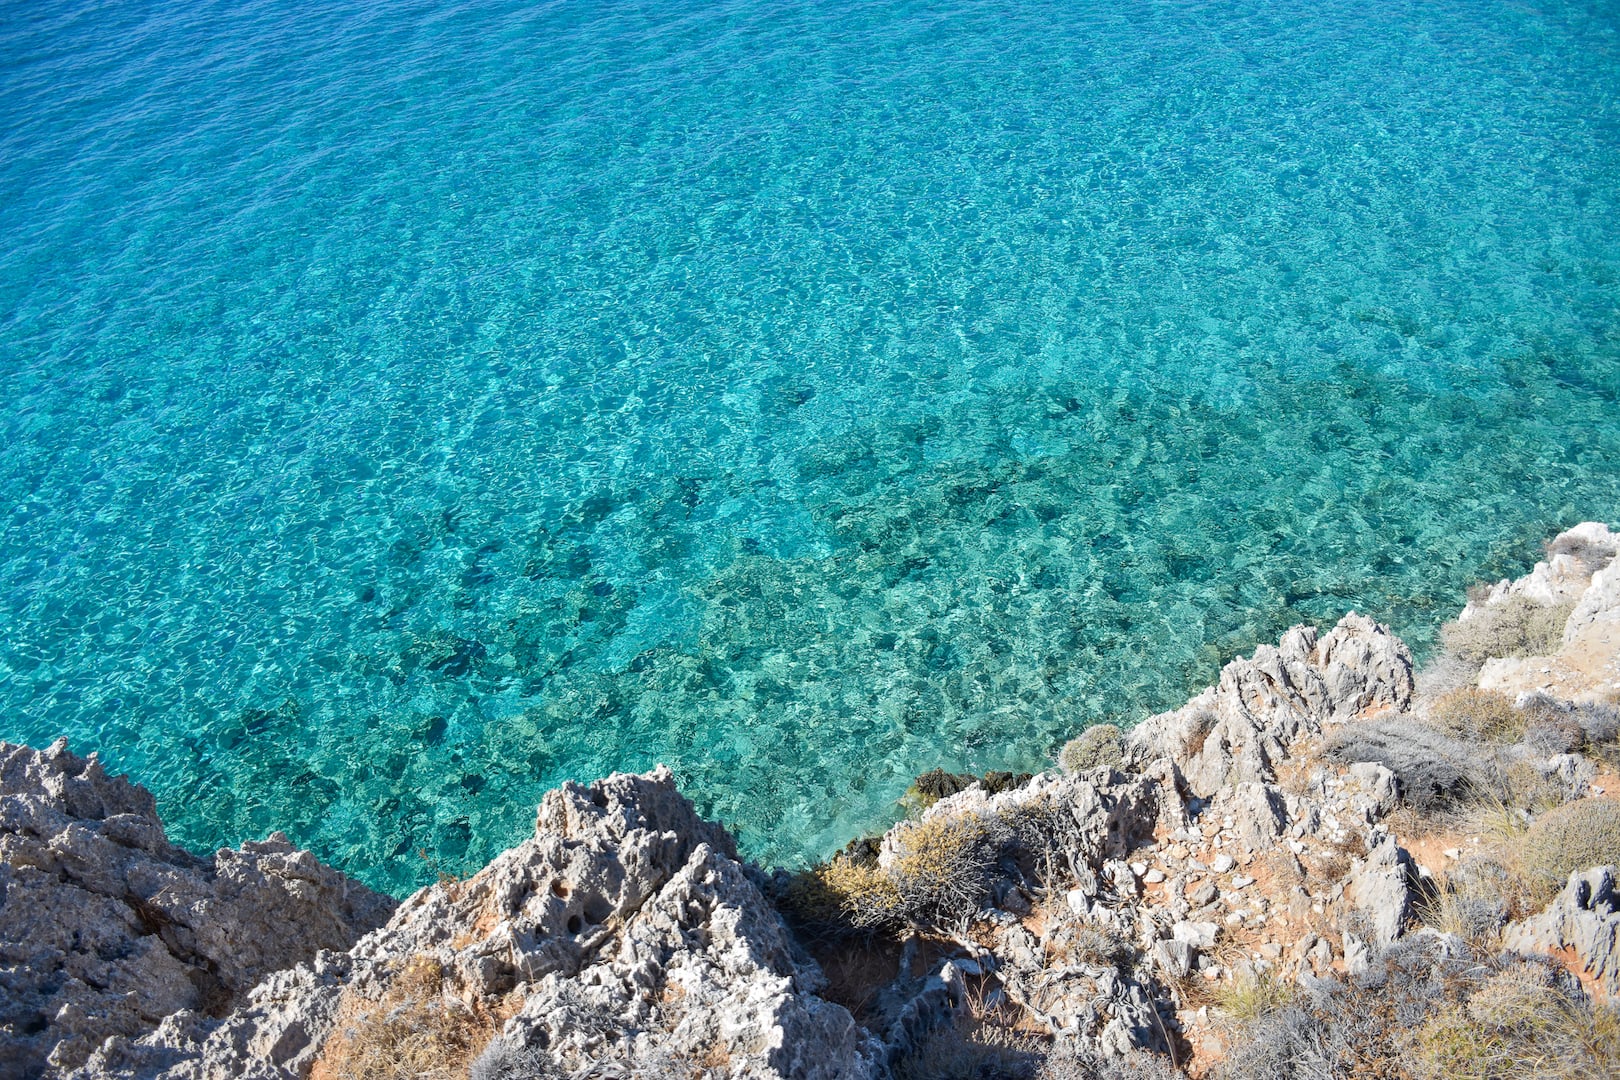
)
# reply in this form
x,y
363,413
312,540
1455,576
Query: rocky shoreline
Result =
x,y
1328,864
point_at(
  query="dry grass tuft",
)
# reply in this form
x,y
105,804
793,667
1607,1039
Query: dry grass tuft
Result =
x,y
414,1032
1514,627
1576,836
1250,998
1477,714
1521,1022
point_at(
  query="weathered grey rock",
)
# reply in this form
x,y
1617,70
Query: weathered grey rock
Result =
x,y
1257,814
1380,886
1599,603
1238,730
625,931
1200,935
1575,555
1585,920
107,928
1357,954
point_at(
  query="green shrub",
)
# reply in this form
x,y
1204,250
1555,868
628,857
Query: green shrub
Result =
x,y
1477,714
1098,746
1512,628
1575,836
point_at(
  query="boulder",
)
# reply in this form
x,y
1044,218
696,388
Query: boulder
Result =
x,y
624,934
108,928
1380,887
1582,923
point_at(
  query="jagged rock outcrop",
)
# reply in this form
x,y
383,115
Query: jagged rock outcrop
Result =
x,y
624,933
1580,574
1246,836
106,928
1582,924
1236,731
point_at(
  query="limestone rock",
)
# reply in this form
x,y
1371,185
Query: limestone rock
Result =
x,y
1575,555
624,934
1238,730
1257,814
108,928
1380,886
1585,919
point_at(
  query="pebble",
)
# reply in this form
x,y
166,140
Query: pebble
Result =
x,y
1451,853
1154,876
1222,863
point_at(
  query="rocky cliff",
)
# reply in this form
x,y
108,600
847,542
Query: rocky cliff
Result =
x,y
1238,887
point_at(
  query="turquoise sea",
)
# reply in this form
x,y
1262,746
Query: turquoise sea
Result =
x,y
408,406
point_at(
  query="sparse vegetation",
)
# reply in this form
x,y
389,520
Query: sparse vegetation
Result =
x,y
1359,1028
1252,997
943,867
1098,746
1477,714
1576,836
1509,628
1433,769
1523,1021
414,1032
939,877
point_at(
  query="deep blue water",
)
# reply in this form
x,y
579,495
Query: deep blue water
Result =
x,y
408,406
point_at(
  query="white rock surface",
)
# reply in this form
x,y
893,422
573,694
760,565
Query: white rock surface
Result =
x,y
106,928
1585,919
625,930
1236,731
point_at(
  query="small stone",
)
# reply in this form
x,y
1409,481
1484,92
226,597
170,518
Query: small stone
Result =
x,y
1451,853
1222,863
1139,868
1154,876
1241,882
1200,935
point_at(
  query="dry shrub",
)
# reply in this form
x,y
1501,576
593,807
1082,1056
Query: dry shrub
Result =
x,y
982,1044
1069,941
1477,714
1576,836
1098,746
846,894
1589,558
940,876
943,869
414,1032
1523,1021
1511,628
1359,1029
1432,769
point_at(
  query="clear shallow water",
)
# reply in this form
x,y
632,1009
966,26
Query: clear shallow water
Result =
x,y
409,407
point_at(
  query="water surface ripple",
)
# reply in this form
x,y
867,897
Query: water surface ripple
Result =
x,y
408,406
